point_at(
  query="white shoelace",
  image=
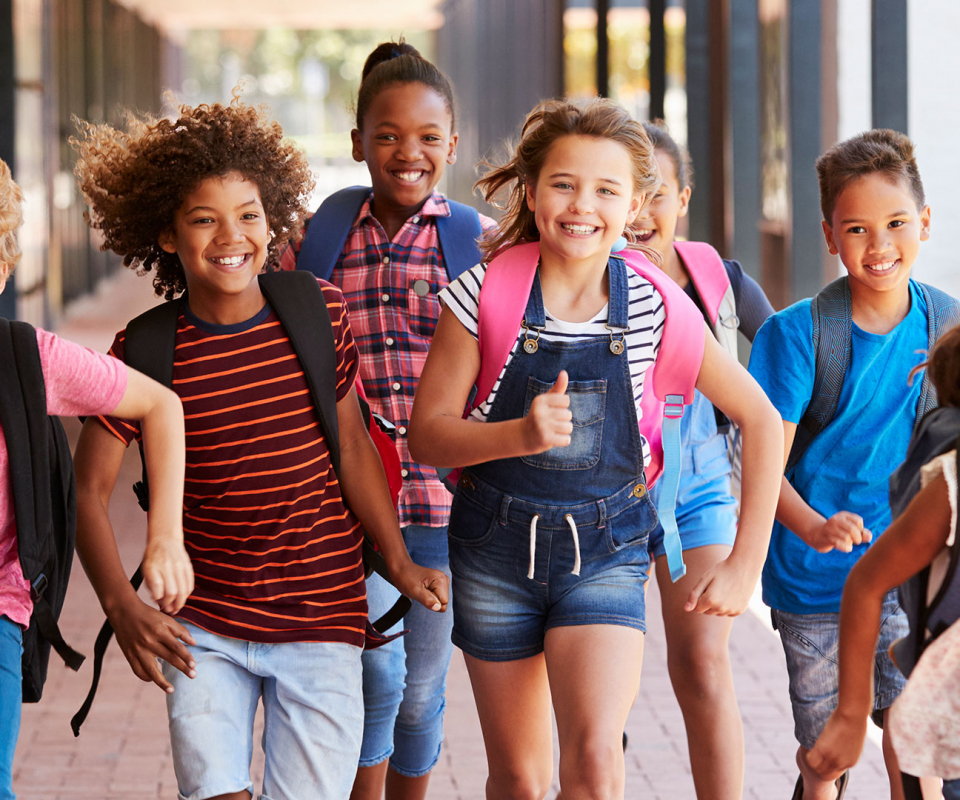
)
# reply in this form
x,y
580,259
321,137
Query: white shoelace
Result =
x,y
533,545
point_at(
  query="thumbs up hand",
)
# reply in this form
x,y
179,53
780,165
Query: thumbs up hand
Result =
x,y
549,423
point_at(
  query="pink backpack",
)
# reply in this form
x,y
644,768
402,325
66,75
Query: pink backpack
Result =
x,y
670,381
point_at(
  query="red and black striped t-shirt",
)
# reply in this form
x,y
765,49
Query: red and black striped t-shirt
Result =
x,y
277,556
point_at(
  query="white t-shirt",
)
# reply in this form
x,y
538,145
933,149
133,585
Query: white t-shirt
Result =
x,y
646,319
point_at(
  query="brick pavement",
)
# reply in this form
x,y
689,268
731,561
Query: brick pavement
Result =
x,y
124,751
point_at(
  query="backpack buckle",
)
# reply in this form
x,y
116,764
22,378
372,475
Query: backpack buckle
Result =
x,y
673,406
38,587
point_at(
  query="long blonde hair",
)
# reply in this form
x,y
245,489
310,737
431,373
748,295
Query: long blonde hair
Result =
x,y
505,186
11,217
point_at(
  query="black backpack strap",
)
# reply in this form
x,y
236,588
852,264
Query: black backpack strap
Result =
x,y
149,345
943,312
27,430
832,317
298,301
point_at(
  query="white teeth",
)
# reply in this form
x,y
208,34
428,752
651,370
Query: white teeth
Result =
x,y
412,177
882,267
584,229
229,261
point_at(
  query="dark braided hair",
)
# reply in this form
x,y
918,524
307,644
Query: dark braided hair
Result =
x,y
398,62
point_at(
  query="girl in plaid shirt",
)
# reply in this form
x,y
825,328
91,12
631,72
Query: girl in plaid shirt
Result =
x,y
391,269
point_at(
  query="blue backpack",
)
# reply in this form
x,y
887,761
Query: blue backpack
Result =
x,y
937,434
329,227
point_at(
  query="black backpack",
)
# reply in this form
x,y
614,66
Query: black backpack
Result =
x,y
832,344
298,301
44,499
937,434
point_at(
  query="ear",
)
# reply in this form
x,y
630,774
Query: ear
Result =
x,y
357,140
684,202
452,150
924,223
531,191
828,235
636,203
167,241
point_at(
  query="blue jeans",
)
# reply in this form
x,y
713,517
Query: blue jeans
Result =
x,y
951,790
312,715
11,696
404,682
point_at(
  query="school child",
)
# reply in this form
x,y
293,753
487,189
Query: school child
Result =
x,y
918,553
551,518
836,368
391,247
697,654
79,381
272,522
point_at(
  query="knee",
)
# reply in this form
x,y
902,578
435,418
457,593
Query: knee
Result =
x,y
593,770
700,672
417,712
518,784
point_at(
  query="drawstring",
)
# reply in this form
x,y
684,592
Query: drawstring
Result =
x,y
576,545
533,544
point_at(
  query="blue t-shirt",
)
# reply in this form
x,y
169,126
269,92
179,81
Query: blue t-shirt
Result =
x,y
847,467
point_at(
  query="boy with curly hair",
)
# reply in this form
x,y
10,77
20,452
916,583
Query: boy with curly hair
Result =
x,y
278,614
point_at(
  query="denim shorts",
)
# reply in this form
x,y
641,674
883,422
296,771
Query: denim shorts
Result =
x,y
810,642
501,614
313,717
11,696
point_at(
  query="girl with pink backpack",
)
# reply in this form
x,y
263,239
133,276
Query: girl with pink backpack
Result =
x,y
698,658
583,356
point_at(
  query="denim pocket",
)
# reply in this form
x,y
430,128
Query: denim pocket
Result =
x,y
470,524
587,404
631,527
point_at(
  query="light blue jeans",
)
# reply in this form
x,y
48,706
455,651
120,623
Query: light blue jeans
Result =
x,y
11,696
404,682
312,713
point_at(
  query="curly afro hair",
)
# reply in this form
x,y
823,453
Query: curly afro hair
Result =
x,y
135,180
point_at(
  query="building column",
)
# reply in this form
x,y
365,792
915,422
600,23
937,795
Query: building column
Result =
x,y
888,64
8,300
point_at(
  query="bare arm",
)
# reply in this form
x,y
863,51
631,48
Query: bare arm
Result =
x,y
440,437
167,571
909,545
364,488
842,531
143,633
726,589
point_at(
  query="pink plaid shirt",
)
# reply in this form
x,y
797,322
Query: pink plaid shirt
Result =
x,y
391,289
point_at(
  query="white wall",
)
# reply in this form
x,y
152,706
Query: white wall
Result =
x,y
934,97
853,67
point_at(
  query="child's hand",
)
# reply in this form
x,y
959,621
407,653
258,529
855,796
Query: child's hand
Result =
x,y
429,587
144,635
724,590
549,423
841,532
839,746
167,573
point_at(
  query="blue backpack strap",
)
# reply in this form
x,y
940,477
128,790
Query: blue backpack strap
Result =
x,y
943,312
458,236
673,411
832,316
328,229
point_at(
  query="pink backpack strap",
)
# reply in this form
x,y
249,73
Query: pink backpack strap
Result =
x,y
707,273
674,374
503,299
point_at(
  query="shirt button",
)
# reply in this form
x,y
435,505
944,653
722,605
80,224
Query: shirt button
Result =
x,y
396,387
385,297
386,260
389,341
402,431
404,473
415,220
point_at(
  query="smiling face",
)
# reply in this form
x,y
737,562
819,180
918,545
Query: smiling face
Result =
x,y
658,223
407,142
876,230
583,198
220,234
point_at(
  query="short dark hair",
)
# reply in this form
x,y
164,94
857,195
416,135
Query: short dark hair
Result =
x,y
878,151
398,62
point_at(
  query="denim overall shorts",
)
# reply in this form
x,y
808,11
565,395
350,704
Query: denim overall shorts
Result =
x,y
560,537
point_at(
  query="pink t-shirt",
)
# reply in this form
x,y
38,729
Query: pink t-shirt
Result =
x,y
78,382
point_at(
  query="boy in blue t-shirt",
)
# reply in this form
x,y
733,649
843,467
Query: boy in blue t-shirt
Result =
x,y
836,498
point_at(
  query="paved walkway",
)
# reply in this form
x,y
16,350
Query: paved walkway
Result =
x,y
124,750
